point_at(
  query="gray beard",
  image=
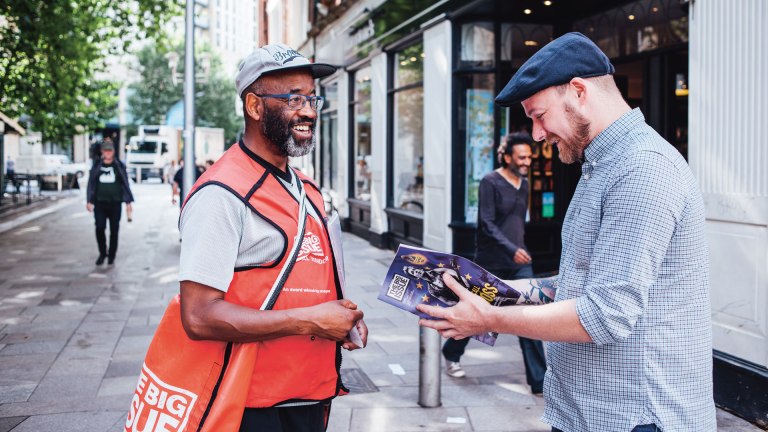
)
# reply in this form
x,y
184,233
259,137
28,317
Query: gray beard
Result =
x,y
294,149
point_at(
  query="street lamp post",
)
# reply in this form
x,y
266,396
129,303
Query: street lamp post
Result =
x,y
189,98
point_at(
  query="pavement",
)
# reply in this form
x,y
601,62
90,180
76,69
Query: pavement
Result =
x,y
73,335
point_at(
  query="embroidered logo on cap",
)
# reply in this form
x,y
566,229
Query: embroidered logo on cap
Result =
x,y
286,56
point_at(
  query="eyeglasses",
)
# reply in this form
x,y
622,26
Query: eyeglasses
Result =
x,y
297,101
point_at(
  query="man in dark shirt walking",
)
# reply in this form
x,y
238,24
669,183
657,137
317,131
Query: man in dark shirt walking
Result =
x,y
108,189
177,187
500,249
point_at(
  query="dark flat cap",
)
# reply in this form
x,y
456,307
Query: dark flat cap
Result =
x,y
569,56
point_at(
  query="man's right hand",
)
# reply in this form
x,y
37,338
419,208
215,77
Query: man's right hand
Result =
x,y
89,207
333,319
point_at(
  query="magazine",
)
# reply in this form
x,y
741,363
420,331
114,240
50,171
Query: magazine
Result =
x,y
334,233
416,277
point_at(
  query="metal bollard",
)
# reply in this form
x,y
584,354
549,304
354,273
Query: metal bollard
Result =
x,y
429,367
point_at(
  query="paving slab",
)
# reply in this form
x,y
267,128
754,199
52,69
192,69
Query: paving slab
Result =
x,y
69,422
8,423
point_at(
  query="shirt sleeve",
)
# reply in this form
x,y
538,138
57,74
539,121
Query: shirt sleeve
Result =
x,y
211,227
641,208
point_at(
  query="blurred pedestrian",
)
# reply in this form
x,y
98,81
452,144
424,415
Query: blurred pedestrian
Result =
x,y
500,247
630,328
239,229
177,187
10,171
108,189
169,170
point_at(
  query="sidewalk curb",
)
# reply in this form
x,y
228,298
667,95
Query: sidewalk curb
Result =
x,y
11,224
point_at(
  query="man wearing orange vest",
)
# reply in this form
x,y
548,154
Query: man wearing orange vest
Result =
x,y
238,226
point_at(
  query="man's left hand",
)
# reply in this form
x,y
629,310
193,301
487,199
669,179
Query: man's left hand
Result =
x,y
362,329
466,318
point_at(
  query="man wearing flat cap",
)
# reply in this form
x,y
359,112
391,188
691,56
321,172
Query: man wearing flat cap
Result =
x,y
630,345
251,227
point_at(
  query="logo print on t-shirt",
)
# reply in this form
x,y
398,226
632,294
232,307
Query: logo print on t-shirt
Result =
x,y
107,175
312,250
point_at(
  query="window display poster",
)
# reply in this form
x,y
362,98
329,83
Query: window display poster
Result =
x,y
479,146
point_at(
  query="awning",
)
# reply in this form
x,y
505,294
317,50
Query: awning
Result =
x,y
12,123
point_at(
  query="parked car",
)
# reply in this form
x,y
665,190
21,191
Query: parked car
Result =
x,y
68,167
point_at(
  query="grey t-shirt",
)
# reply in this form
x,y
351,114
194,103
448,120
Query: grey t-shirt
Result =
x,y
220,233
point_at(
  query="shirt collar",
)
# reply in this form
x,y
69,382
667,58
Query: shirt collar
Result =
x,y
607,141
284,175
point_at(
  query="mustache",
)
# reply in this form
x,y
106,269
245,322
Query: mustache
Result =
x,y
309,120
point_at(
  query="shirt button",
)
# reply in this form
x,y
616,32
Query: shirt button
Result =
x,y
586,176
311,338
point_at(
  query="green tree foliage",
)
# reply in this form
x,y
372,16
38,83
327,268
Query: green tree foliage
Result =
x,y
52,58
155,93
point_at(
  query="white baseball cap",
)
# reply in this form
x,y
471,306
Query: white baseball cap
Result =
x,y
273,58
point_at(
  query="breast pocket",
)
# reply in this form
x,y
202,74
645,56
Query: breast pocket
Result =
x,y
584,235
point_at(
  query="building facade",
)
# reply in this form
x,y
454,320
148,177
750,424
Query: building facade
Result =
x,y
411,127
232,29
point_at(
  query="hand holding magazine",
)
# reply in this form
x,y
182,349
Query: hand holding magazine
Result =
x,y
416,277
334,232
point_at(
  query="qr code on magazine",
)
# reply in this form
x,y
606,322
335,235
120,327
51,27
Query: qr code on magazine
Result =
x,y
397,287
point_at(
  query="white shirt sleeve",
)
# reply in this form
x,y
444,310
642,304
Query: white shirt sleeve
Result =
x,y
211,229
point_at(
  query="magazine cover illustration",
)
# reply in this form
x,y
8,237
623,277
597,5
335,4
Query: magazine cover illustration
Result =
x,y
416,277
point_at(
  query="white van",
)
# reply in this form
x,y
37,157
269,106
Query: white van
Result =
x,y
49,164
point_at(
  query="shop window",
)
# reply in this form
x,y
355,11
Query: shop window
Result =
x,y
520,41
542,182
328,135
637,27
409,66
361,123
408,130
477,45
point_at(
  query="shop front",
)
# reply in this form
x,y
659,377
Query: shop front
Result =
x,y
380,181
415,127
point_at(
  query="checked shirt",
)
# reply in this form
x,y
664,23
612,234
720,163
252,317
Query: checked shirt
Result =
x,y
635,257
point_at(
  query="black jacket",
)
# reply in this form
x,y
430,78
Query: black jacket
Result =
x,y
93,180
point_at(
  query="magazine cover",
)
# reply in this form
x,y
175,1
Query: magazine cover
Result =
x,y
416,276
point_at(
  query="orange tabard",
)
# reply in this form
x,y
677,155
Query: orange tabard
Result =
x,y
294,367
187,385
